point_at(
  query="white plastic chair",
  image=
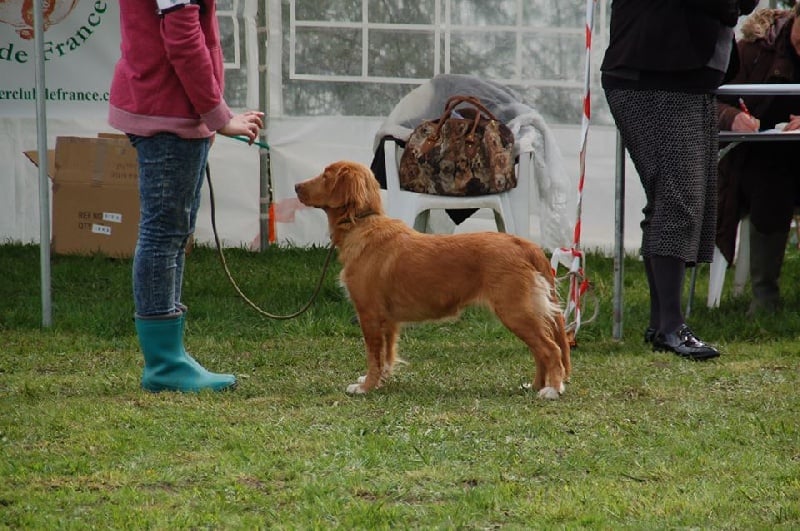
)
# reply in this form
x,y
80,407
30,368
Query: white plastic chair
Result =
x,y
511,208
716,275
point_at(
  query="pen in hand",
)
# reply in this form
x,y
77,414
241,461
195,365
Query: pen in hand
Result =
x,y
745,122
743,107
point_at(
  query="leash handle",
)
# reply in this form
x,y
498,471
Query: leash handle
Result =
x,y
230,276
247,141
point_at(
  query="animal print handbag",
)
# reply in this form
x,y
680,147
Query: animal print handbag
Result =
x,y
466,151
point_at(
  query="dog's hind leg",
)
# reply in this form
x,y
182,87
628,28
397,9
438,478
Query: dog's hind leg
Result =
x,y
549,376
531,318
560,334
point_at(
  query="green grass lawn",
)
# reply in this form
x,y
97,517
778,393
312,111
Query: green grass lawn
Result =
x,y
640,440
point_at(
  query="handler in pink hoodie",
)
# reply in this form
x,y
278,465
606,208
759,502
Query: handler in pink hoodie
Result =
x,y
167,95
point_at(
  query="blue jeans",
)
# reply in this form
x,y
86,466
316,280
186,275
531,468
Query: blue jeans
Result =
x,y
170,178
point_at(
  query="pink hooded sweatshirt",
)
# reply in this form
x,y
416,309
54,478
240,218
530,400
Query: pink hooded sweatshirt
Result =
x,y
170,76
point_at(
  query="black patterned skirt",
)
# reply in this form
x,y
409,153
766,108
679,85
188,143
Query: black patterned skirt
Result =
x,y
672,138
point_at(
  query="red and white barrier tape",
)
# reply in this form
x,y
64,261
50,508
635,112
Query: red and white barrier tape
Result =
x,y
573,258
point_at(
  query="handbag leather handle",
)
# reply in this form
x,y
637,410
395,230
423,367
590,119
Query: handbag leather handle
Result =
x,y
449,107
454,101
433,138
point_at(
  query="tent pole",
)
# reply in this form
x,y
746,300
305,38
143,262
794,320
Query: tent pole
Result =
x,y
44,183
619,243
265,196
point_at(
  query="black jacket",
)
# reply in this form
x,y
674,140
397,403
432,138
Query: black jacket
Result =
x,y
670,41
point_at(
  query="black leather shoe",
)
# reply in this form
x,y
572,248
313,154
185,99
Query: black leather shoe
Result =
x,y
649,335
684,343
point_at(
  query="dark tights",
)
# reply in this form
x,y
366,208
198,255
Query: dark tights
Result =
x,y
665,278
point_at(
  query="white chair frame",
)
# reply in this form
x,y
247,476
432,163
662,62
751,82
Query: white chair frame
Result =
x,y
716,275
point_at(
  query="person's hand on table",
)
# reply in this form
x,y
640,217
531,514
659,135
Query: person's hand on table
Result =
x,y
747,123
794,123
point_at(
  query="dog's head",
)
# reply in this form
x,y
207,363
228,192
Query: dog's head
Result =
x,y
346,189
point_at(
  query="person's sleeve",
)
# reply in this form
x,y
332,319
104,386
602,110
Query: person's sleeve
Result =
x,y
747,6
726,11
194,64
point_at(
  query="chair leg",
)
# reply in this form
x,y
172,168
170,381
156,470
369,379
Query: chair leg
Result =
x,y
421,221
501,223
716,279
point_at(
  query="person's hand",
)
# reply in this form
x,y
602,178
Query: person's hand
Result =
x,y
745,123
794,123
246,124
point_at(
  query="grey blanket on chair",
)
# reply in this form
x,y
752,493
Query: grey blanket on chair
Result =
x,y
554,191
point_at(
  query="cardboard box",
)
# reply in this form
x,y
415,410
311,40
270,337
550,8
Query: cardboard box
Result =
x,y
95,205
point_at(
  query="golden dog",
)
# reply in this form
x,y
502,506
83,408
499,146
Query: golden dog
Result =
x,y
395,275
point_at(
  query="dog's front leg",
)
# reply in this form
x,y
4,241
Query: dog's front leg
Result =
x,y
388,353
373,341
390,333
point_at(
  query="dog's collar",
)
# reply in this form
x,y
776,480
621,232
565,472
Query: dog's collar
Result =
x,y
361,215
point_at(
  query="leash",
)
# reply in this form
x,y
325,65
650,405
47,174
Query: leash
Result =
x,y
253,305
247,141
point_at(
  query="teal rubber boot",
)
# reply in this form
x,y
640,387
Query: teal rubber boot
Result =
x,y
167,366
193,361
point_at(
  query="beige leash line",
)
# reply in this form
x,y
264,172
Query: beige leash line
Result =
x,y
236,286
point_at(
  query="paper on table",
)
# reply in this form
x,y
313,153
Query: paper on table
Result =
x,y
779,128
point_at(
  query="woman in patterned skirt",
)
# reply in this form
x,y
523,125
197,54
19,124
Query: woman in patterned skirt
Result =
x,y
664,61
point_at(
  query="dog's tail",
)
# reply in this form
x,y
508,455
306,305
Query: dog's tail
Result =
x,y
545,290
545,281
549,301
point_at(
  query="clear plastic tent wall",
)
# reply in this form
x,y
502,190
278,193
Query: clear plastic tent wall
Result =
x,y
337,69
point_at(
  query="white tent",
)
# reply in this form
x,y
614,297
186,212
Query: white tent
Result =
x,y
303,140
533,46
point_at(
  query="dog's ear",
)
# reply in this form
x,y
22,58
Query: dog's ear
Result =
x,y
330,179
358,189
335,178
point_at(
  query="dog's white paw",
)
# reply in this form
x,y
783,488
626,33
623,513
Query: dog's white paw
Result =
x,y
549,393
356,388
